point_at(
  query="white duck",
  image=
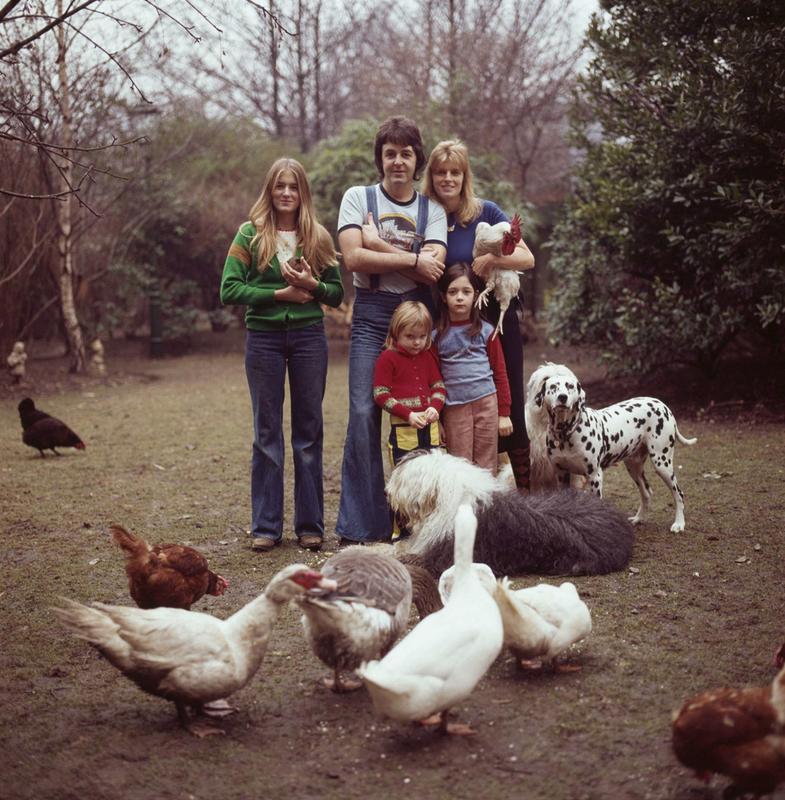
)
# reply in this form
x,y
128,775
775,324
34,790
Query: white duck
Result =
x,y
444,657
363,617
184,656
540,622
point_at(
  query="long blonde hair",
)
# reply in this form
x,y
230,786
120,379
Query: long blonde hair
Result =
x,y
313,239
453,151
409,314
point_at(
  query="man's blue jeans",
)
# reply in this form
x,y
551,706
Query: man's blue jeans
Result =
x,y
268,356
363,514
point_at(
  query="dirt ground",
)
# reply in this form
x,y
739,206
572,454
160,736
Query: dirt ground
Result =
x,y
168,447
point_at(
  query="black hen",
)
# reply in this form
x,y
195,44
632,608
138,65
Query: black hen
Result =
x,y
44,432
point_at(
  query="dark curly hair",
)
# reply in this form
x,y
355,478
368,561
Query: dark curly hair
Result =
x,y
401,131
460,269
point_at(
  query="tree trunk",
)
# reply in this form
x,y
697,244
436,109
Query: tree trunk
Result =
x,y
429,45
302,116
275,112
64,205
318,111
452,58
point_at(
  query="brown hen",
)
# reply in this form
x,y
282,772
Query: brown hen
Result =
x,y
735,732
170,575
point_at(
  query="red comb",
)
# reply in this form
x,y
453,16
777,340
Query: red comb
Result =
x,y
510,239
515,227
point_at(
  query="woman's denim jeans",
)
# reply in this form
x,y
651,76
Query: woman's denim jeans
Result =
x,y
268,357
363,514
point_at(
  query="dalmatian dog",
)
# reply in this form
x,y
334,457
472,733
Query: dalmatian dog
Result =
x,y
544,475
583,441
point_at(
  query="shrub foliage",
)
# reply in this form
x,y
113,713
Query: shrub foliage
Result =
x,y
672,245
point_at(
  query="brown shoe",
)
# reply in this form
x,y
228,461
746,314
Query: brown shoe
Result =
x,y
262,544
310,542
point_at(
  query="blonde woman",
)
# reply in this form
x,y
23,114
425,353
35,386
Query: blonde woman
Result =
x,y
448,180
281,266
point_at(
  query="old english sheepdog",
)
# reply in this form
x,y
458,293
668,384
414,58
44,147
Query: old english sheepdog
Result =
x,y
563,533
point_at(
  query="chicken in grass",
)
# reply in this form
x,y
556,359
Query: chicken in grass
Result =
x,y
44,432
171,575
735,732
187,657
498,240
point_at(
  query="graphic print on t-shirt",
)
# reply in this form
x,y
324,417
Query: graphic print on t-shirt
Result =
x,y
399,230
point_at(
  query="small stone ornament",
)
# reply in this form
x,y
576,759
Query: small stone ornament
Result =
x,y
16,363
97,365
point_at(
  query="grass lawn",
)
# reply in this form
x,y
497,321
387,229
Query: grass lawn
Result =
x,y
168,449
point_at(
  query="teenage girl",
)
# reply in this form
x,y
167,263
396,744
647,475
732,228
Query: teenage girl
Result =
x,y
477,411
407,382
282,266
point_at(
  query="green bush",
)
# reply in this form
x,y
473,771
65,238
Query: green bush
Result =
x,y
672,246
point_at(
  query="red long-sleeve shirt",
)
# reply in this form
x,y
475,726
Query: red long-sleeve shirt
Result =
x,y
499,367
403,383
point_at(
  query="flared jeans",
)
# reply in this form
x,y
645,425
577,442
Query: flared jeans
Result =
x,y
269,356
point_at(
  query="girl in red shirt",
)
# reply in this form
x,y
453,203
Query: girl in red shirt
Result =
x,y
407,382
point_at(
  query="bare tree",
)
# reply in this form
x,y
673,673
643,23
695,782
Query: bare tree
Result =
x,y
296,86
24,23
495,73
66,85
65,263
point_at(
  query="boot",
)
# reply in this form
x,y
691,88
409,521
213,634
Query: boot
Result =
x,y
521,468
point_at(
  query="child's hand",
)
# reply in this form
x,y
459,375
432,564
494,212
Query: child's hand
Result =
x,y
505,426
417,419
431,414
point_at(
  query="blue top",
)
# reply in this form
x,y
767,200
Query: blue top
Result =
x,y
460,239
464,363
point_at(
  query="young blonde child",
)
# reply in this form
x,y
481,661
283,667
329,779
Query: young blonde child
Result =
x,y
407,382
477,409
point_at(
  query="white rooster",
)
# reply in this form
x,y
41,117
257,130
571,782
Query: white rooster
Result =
x,y
498,240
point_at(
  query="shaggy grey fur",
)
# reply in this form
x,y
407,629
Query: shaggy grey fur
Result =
x,y
566,533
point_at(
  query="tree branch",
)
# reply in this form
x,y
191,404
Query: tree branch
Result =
x,y
54,22
8,8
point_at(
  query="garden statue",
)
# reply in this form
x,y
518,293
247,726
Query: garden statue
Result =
x,y
97,365
16,363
